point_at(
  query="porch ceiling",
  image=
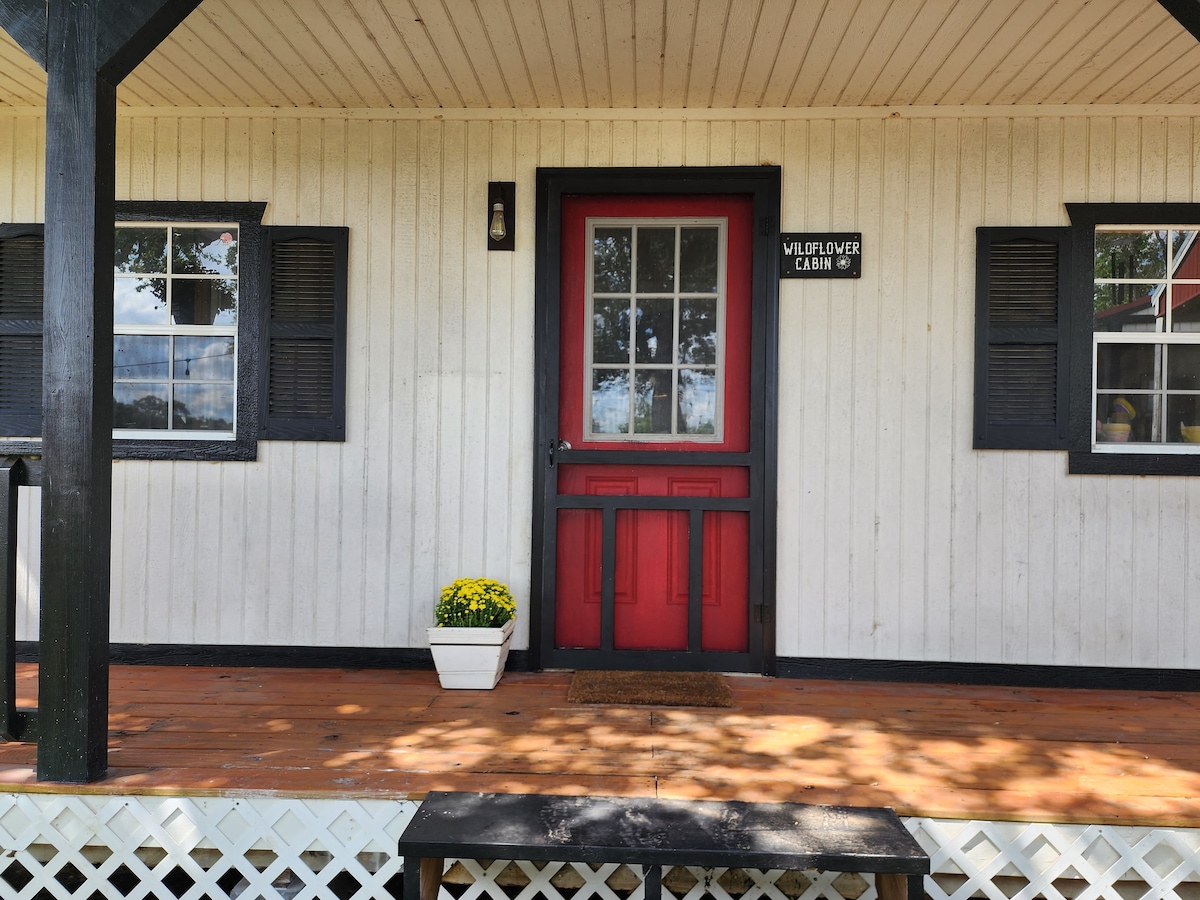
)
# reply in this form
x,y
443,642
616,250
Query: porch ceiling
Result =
x,y
648,54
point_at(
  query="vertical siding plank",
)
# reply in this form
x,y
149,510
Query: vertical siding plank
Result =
x,y
624,143
648,139
965,463
946,285
210,563
890,401
913,394
141,158
832,198
390,500
11,169
866,304
213,158
425,554
191,160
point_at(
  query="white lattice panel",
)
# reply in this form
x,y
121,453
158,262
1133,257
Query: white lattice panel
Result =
x,y
71,847
130,847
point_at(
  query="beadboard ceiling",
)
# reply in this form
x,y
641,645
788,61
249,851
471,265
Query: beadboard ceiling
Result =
x,y
648,54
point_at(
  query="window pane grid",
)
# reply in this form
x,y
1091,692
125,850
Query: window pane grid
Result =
x,y
644,383
1146,339
175,330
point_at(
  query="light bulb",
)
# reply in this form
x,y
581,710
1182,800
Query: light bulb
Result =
x,y
497,230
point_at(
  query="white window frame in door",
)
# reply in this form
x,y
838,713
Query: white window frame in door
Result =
x,y
678,223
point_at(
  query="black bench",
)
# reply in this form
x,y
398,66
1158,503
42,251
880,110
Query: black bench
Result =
x,y
656,833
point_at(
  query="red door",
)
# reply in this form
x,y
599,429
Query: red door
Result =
x,y
653,479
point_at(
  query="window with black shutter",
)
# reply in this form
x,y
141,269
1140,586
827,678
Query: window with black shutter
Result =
x,y
290,334
303,384
1021,319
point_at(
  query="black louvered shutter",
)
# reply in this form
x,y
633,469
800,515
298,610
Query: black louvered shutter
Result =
x,y
21,276
1021,338
303,367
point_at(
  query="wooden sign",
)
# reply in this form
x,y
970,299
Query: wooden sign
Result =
x,y
820,255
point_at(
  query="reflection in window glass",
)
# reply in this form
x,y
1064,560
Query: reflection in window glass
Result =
x,y
610,331
203,407
1136,255
655,260
697,402
203,301
204,359
657,372
140,250
652,402
204,251
612,260
141,406
141,356
698,257
610,401
140,301
655,329
698,331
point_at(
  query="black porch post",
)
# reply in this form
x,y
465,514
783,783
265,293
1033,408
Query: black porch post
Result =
x,y
87,47
81,112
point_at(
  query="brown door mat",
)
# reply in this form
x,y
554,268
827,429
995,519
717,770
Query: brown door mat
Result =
x,y
650,688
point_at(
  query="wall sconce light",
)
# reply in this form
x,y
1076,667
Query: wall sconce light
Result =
x,y
502,197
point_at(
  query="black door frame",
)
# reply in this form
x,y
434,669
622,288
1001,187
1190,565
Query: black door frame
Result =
x,y
763,185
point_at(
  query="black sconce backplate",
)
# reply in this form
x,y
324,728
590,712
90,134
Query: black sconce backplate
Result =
x,y
502,192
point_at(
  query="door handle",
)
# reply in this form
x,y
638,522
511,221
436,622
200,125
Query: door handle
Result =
x,y
556,446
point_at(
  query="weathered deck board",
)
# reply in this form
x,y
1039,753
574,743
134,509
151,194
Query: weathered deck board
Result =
x,y
930,750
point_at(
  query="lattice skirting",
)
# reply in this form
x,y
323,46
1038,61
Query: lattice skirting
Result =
x,y
80,847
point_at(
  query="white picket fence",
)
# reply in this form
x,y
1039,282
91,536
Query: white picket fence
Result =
x,y
124,847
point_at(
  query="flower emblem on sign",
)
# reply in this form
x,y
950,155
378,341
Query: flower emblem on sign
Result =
x,y
843,262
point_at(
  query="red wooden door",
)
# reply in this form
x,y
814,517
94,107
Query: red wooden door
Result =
x,y
652,534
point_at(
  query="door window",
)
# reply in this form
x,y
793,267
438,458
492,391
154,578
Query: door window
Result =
x,y
655,344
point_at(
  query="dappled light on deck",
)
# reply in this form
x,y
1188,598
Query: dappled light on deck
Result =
x,y
927,750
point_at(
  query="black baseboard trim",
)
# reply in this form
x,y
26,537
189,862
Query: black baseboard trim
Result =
x,y
993,674
272,657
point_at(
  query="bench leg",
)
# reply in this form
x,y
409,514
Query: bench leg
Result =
x,y
889,886
652,882
431,877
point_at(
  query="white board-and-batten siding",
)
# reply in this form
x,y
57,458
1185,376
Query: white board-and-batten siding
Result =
x,y
896,539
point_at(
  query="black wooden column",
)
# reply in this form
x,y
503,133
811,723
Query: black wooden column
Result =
x,y
87,47
81,116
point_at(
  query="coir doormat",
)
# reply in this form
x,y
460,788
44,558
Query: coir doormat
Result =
x,y
650,688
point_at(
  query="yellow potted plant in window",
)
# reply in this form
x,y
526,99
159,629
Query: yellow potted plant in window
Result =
x,y
470,641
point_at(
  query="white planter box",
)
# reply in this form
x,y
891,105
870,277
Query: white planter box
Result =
x,y
471,658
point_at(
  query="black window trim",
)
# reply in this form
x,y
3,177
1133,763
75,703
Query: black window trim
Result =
x,y
1081,459
249,217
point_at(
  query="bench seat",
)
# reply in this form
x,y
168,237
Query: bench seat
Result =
x,y
655,833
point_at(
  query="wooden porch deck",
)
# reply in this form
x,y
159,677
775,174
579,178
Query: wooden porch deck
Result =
x,y
1043,755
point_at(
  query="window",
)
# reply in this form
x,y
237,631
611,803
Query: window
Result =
x,y
654,351
225,332
1146,333
1088,338
175,317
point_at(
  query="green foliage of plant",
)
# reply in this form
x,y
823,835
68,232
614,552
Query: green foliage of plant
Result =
x,y
474,603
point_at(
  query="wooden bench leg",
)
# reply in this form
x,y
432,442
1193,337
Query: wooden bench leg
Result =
x,y
431,877
888,885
